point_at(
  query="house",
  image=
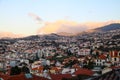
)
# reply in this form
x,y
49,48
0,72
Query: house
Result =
x,y
84,52
115,57
100,61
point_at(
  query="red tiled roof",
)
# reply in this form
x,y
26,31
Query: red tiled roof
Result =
x,y
17,77
36,68
60,76
115,67
102,56
84,71
21,77
55,68
40,68
4,76
114,53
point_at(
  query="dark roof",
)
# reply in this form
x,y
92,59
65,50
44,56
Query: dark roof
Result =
x,y
113,75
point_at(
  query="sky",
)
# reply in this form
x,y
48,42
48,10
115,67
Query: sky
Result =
x,y
30,17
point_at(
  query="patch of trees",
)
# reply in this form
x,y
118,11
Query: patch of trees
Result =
x,y
116,37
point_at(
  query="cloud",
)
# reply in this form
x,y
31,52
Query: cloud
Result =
x,y
92,25
70,26
11,35
61,26
35,17
67,25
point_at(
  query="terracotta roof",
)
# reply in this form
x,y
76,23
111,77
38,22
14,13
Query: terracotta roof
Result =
x,y
55,68
84,71
60,76
36,68
40,69
114,53
21,77
4,76
102,56
115,67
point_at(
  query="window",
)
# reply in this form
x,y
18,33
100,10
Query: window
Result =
x,y
115,59
97,60
96,63
103,62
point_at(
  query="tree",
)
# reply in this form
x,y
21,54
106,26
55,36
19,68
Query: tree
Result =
x,y
15,70
25,69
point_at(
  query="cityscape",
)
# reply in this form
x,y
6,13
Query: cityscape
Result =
x,y
89,55
83,45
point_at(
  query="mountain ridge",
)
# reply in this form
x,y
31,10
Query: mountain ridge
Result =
x,y
109,27
105,28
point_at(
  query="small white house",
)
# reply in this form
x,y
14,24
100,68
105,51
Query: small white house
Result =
x,y
101,60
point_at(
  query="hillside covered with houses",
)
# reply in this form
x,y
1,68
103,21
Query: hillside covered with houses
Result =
x,y
87,56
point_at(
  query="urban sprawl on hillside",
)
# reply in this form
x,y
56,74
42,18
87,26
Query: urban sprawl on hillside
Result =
x,y
88,56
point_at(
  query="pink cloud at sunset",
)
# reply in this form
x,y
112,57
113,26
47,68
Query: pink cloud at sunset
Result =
x,y
10,34
92,25
71,26
60,26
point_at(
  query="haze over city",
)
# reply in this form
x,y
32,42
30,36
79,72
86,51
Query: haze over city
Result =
x,y
30,17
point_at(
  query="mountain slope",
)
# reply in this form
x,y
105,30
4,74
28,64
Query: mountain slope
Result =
x,y
109,27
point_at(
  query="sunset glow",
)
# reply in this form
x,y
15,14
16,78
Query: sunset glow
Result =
x,y
30,17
